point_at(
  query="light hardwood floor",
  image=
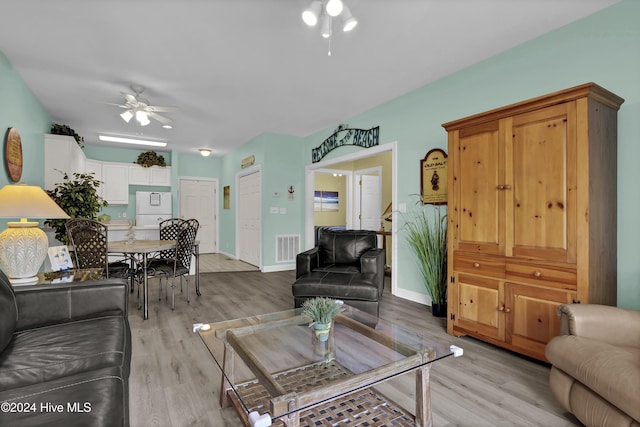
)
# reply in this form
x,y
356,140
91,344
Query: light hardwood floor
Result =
x,y
175,381
217,263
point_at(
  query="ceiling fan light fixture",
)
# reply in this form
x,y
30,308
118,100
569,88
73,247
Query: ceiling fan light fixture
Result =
x,y
142,118
311,14
205,152
349,22
127,116
334,7
325,26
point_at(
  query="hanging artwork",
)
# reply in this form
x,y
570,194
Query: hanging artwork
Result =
x,y
343,135
433,178
326,201
226,201
13,154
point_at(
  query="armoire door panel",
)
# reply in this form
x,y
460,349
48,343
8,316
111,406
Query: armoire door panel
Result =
x,y
532,318
539,200
479,305
477,175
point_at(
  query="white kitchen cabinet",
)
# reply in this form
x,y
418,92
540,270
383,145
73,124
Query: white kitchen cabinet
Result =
x,y
115,185
95,167
154,175
62,154
114,177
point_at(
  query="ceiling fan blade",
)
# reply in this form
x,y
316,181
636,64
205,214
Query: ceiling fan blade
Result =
x,y
158,117
117,105
158,109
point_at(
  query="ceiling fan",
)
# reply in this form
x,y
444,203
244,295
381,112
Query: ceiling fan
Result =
x,y
140,108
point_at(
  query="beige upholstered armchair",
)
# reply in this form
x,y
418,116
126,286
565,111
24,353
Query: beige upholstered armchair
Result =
x,y
596,364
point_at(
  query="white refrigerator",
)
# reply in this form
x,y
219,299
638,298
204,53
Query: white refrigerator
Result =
x,y
152,207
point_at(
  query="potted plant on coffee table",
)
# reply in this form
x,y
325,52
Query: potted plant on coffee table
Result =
x,y
427,236
321,311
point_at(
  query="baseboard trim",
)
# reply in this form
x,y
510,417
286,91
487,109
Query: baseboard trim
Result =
x,y
413,296
279,267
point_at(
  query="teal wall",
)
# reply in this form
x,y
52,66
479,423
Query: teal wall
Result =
x,y
278,157
603,48
20,108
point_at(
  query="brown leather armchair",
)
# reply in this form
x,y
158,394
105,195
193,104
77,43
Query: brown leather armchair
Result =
x,y
345,265
596,364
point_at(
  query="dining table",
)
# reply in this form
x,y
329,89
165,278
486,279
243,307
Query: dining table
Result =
x,y
138,252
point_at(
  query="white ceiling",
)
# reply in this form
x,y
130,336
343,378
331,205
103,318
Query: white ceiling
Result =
x,y
238,68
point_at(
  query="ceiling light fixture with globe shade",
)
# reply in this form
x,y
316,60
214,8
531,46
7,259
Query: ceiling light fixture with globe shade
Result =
x,y
324,12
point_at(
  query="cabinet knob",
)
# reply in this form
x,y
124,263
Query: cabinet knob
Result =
x,y
501,308
500,187
507,310
506,187
537,274
476,265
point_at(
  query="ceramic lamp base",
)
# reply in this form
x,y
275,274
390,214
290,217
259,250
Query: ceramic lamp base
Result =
x,y
23,248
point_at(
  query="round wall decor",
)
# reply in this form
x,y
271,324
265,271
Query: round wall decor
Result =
x,y
13,154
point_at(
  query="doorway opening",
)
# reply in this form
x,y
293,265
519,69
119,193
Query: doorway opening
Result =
x,y
379,167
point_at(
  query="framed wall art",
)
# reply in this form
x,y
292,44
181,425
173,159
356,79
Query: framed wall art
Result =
x,y
13,154
226,200
433,178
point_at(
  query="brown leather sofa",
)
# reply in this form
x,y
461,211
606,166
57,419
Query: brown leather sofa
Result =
x,y
596,364
65,354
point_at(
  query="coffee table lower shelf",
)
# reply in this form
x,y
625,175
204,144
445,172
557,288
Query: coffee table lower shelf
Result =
x,y
364,407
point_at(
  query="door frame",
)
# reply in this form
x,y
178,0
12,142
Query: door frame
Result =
x,y
242,173
216,212
361,154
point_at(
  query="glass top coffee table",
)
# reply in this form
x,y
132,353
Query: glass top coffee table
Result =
x,y
276,370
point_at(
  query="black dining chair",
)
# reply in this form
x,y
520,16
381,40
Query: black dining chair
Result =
x,y
178,265
169,230
88,239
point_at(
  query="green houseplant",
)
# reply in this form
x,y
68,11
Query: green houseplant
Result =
x,y
58,129
78,197
427,237
150,158
321,311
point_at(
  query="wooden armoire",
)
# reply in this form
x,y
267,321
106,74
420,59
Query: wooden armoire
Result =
x,y
532,215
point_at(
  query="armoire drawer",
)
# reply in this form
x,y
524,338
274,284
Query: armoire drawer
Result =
x,y
478,264
557,277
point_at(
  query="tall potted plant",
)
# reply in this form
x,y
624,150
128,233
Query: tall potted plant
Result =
x,y
427,236
78,197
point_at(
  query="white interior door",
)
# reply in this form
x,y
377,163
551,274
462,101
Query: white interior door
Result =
x,y
249,219
368,202
198,200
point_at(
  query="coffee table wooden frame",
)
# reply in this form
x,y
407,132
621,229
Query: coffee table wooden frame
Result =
x,y
287,407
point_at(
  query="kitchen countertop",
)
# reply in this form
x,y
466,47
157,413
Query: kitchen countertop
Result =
x,y
124,225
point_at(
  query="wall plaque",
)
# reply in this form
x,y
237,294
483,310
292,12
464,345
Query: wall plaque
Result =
x,y
343,135
433,178
13,154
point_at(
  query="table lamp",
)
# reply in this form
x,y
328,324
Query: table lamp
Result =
x,y
23,246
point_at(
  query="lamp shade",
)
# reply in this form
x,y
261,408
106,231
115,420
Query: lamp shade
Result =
x,y
127,116
349,21
28,201
23,246
334,7
310,15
